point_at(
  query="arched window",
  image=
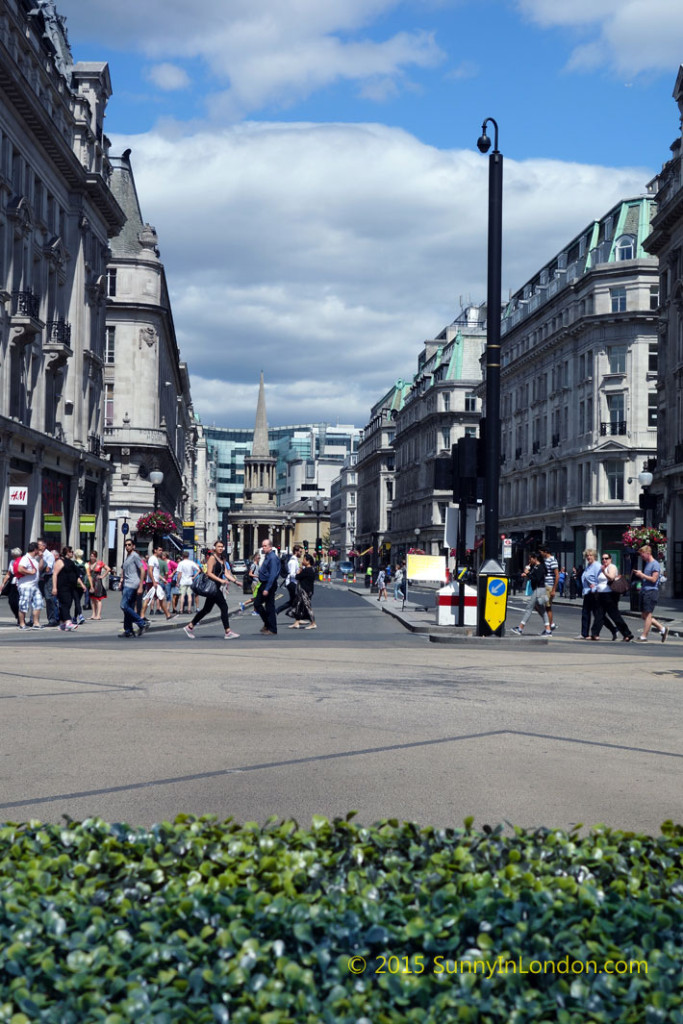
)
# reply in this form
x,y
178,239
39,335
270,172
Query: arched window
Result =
x,y
625,247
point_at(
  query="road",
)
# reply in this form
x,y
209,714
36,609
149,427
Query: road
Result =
x,y
358,715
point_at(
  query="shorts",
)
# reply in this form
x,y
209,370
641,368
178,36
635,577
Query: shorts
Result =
x,y
648,600
30,597
549,596
185,590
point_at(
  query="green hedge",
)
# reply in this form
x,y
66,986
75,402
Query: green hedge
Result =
x,y
201,921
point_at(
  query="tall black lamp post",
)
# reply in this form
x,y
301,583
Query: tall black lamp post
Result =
x,y
318,505
492,601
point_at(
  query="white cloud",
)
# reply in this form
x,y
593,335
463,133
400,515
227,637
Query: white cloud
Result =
x,y
326,254
633,36
168,77
261,51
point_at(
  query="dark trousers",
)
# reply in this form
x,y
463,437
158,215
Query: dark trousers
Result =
x,y
588,610
65,598
214,601
13,599
291,590
265,606
51,603
128,607
607,613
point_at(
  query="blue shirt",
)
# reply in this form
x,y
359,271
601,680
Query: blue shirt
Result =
x,y
649,568
589,579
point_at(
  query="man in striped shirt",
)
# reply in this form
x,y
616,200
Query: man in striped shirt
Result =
x,y
552,575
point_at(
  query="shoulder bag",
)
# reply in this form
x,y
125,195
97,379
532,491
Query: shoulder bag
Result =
x,y
620,585
203,585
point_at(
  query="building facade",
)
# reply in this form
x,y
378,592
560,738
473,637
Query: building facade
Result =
x,y
666,243
441,406
344,508
57,214
149,423
579,400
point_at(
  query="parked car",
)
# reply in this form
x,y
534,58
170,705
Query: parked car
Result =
x,y
345,567
239,567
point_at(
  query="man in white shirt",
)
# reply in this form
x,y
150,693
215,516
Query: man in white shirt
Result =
x,y
30,598
156,590
293,566
186,570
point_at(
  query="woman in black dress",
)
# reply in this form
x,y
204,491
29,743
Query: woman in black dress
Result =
x,y
66,579
302,611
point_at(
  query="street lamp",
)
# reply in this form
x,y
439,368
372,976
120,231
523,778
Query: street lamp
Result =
x,y
417,532
156,478
493,307
647,500
321,505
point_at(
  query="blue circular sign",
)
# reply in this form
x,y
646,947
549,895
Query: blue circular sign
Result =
x,y
125,528
497,588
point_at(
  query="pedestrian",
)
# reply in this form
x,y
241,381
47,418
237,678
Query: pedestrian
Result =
x,y
561,581
574,584
186,570
96,572
302,609
535,574
85,600
650,576
552,576
368,577
607,604
9,587
156,569
169,577
66,581
30,597
264,601
398,580
47,564
132,582
589,587
382,585
291,580
218,570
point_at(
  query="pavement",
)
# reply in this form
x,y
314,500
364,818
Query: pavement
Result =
x,y
418,614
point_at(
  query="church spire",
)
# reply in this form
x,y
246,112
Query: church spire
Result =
x,y
261,448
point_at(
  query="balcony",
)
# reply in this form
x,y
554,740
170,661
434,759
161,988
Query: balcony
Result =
x,y
613,429
25,320
57,342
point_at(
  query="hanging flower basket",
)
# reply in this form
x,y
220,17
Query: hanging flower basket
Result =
x,y
416,551
643,535
353,554
156,522
333,552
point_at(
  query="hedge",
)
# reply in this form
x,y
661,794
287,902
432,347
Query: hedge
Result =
x,y
203,921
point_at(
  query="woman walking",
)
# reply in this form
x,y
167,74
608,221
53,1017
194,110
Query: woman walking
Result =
x,y
217,570
65,584
302,610
96,572
589,587
607,603
382,585
9,583
538,601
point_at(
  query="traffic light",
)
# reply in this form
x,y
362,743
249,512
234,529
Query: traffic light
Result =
x,y
320,545
305,543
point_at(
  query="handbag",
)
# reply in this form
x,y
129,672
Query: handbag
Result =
x,y
98,589
620,585
203,585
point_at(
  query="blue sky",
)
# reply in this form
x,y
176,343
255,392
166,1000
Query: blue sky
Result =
x,y
310,167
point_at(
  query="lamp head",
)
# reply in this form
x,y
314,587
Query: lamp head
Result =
x,y
483,142
645,479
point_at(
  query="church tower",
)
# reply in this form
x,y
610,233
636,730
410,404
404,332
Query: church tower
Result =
x,y
260,486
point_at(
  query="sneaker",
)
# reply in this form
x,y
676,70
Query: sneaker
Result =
x,y
38,626
230,635
241,606
146,624
554,627
22,627
664,634
125,634
80,620
549,632
641,640
517,630
264,629
188,630
62,625
256,614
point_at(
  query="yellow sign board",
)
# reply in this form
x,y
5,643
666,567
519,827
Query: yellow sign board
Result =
x,y
495,603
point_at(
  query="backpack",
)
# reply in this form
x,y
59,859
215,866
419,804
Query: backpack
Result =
x,y
15,566
284,563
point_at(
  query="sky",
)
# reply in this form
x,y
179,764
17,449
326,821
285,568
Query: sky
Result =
x,y
311,168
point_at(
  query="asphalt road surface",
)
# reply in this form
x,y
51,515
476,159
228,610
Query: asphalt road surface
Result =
x,y
359,714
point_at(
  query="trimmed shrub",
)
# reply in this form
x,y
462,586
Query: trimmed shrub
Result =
x,y
201,921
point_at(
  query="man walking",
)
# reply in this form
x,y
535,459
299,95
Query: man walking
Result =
x,y
132,576
649,592
30,597
293,567
47,565
154,572
552,576
264,602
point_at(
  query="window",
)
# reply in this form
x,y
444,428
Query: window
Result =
x,y
110,345
111,281
652,409
470,431
109,405
614,470
447,437
470,402
652,357
654,296
626,248
446,401
615,407
618,299
616,355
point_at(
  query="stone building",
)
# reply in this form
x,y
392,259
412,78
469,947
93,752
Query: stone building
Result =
x,y
150,431
579,398
666,242
440,407
344,508
57,214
